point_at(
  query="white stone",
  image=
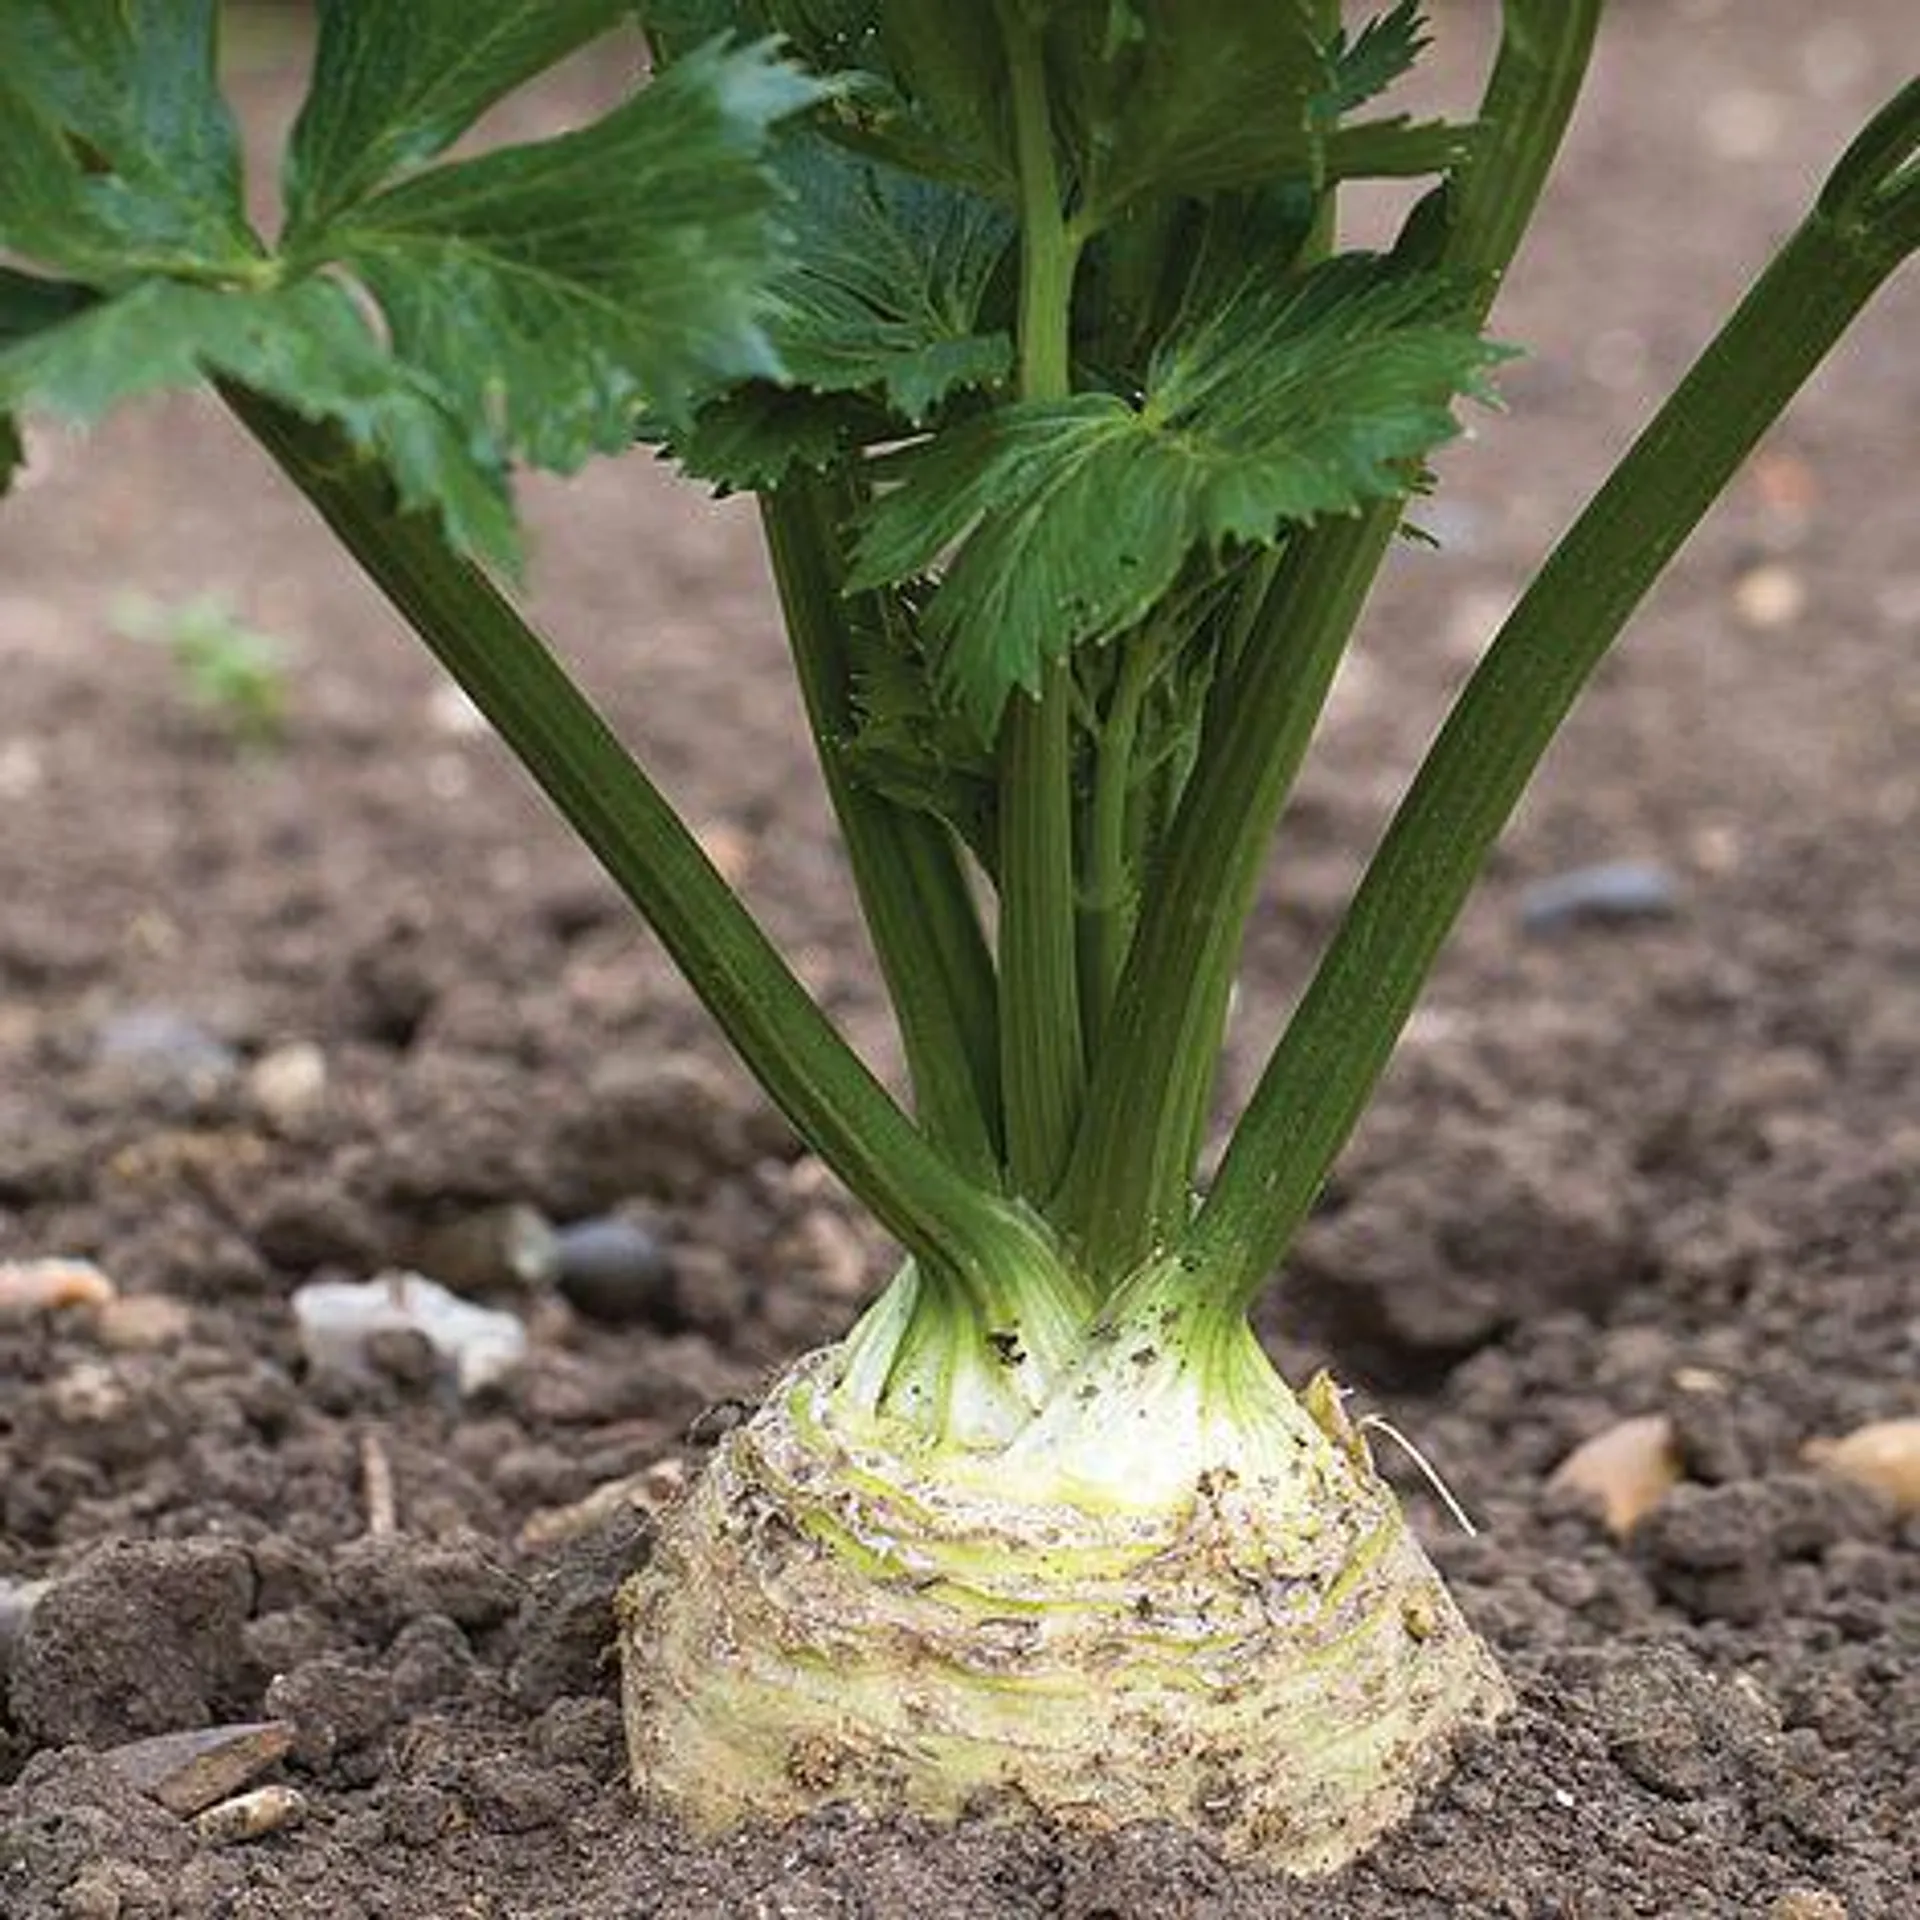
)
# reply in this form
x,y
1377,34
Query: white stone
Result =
x,y
289,1082
338,1317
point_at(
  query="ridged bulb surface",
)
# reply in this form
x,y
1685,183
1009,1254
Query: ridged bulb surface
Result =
x,y
1252,1643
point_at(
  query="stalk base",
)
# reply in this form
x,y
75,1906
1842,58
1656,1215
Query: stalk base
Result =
x,y
832,1617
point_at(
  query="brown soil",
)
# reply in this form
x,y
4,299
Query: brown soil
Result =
x,y
1663,1165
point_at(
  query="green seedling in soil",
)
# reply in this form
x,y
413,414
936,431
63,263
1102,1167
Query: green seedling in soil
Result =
x,y
1079,436
234,673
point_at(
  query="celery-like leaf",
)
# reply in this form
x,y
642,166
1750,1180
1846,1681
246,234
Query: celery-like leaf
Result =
x,y
1400,148
395,82
758,435
532,297
1067,523
116,148
911,746
889,283
547,288
27,305
305,345
1200,97
1063,522
46,204
944,58
887,311
921,82
1369,62
1186,96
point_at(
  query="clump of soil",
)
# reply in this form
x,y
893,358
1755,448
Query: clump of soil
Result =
x,y
349,1005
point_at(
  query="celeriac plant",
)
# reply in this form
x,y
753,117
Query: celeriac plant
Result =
x,y
1078,437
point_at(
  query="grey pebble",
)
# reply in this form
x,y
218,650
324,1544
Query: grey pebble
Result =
x,y
614,1270
1613,893
158,1051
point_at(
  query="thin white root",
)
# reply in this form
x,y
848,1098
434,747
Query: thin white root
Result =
x,y
1430,1472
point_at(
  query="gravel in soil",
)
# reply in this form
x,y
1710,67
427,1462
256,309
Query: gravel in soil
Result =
x,y
351,1006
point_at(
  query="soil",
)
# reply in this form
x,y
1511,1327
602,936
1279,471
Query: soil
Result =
x,y
276,1014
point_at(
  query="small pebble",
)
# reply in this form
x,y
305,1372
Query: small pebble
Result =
x,y
154,1049
337,1317
32,1287
289,1083
23,769
451,712
499,1248
729,848
1627,1470
1769,596
1741,123
1884,1455
187,1772
1808,1903
1610,894
143,1323
613,1270
251,1816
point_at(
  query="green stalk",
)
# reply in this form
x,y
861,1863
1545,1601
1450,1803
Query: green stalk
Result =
x,y
1042,1053
1110,898
913,892
786,1042
1325,1068
1128,1191
1545,48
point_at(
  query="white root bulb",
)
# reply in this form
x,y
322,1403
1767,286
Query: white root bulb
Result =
x,y
1253,1645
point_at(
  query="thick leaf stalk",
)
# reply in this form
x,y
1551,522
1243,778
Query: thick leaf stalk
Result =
x,y
1129,1190
1324,1070
995,1255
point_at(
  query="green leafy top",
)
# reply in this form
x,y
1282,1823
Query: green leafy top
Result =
x,y
1173,121
1224,395
1063,522
1226,390
532,297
